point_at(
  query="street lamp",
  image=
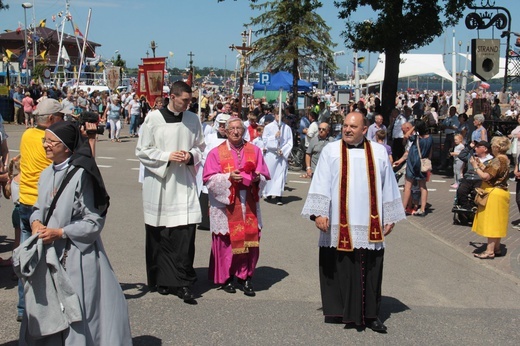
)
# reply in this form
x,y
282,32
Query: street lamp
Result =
x,y
25,6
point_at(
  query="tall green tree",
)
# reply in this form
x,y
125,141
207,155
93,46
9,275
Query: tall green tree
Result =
x,y
291,35
401,25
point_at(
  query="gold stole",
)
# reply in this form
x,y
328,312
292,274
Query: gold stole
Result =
x,y
375,233
243,233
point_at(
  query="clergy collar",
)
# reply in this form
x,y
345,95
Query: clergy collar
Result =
x,y
174,113
360,145
61,166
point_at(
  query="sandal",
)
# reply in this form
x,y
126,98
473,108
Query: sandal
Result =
x,y
498,253
484,255
419,213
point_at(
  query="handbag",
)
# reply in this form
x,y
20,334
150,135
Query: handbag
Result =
x,y
482,196
426,164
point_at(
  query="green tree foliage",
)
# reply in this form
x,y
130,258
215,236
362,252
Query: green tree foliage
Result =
x,y
400,26
120,62
291,34
37,72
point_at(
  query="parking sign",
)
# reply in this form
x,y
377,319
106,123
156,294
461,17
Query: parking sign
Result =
x,y
264,78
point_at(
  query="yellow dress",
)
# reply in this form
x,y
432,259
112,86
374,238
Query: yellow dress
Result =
x,y
491,221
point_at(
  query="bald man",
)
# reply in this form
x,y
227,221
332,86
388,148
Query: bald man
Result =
x,y
354,201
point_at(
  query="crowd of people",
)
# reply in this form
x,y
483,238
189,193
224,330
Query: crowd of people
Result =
x,y
204,166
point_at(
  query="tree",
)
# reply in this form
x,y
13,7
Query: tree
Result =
x,y
401,25
119,62
291,35
2,6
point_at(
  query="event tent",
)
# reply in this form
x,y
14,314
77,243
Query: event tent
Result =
x,y
411,65
283,80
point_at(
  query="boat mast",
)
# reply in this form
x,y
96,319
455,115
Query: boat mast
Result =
x,y
60,36
84,46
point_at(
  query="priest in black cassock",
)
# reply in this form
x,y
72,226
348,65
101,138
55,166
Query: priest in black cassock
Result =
x,y
354,201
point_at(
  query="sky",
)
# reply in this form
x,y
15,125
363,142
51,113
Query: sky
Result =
x,y
207,28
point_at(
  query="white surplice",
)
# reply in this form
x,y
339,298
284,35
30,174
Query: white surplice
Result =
x,y
323,198
278,149
170,194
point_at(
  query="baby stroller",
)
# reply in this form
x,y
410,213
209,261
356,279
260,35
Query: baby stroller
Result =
x,y
464,211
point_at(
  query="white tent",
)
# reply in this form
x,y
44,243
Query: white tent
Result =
x,y
412,65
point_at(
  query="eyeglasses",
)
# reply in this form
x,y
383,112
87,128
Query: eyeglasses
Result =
x,y
322,129
50,142
233,129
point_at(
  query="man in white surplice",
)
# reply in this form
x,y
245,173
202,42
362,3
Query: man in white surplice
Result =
x,y
353,197
278,143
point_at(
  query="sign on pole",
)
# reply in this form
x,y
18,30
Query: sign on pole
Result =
x,y
264,78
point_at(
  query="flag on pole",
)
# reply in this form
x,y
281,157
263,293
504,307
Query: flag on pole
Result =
x,y
64,54
9,53
43,22
76,31
42,54
190,78
19,28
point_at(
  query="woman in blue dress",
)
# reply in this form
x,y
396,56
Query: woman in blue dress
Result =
x,y
413,164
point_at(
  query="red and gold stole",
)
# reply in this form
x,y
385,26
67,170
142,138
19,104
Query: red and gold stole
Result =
x,y
243,232
375,233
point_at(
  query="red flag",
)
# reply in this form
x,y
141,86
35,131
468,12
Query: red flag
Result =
x,y
190,78
153,76
19,28
76,31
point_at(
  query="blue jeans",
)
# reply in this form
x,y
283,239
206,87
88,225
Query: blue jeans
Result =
x,y
134,118
25,225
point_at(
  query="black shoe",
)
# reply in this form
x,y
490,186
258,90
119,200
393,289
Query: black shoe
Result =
x,y
185,294
19,318
279,201
248,288
228,287
164,290
377,326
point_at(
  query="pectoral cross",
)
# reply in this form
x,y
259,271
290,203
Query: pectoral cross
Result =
x,y
375,233
344,242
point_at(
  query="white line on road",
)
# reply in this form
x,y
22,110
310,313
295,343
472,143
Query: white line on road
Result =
x,y
294,173
134,160
298,182
135,169
105,158
104,166
438,181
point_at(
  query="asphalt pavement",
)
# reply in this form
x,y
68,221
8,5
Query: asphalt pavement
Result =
x,y
434,291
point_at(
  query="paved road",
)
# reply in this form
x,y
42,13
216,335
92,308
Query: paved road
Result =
x,y
434,291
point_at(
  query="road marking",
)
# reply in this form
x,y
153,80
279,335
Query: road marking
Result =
x,y
438,181
293,173
135,169
106,158
134,160
298,182
432,190
104,166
